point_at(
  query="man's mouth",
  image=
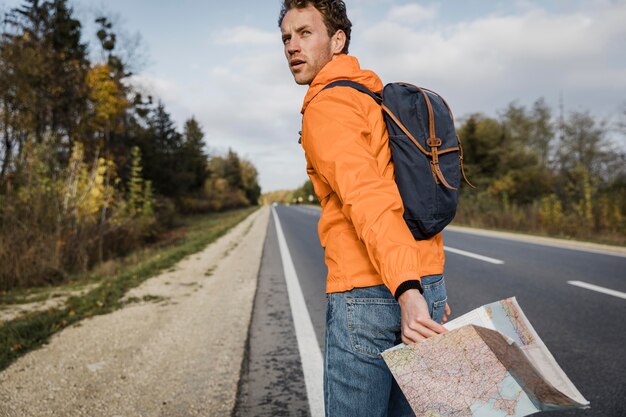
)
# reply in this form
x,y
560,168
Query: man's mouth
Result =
x,y
296,64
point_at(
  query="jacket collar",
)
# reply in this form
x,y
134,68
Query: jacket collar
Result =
x,y
342,67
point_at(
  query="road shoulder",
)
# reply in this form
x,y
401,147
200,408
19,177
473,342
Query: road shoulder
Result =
x,y
541,240
177,355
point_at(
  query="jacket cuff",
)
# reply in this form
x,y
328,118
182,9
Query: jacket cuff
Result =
x,y
408,285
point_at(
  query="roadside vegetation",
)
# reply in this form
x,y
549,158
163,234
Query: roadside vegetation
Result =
x,y
106,285
91,167
563,177
536,173
99,190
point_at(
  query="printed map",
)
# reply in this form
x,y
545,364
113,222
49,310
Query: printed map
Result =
x,y
506,317
481,370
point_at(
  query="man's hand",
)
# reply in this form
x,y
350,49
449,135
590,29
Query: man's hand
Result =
x,y
416,322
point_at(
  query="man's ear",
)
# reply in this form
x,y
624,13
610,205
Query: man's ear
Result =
x,y
338,41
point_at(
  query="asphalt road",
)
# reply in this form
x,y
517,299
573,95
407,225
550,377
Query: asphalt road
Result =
x,y
585,330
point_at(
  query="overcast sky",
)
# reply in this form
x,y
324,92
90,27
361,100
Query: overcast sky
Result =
x,y
222,62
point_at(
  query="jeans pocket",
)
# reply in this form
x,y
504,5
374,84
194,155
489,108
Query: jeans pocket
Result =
x,y
434,287
373,324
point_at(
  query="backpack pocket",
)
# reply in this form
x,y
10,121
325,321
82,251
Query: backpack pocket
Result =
x,y
428,206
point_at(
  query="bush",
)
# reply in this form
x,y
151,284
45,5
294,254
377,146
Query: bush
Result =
x,y
600,219
61,220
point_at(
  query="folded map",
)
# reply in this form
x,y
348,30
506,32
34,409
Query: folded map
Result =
x,y
491,363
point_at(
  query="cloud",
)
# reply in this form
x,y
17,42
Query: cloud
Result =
x,y
412,13
246,36
249,103
162,88
245,98
485,63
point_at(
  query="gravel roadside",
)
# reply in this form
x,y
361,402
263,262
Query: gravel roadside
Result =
x,y
178,355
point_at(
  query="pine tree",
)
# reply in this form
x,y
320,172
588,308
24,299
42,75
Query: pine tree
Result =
x,y
160,146
192,156
249,181
232,170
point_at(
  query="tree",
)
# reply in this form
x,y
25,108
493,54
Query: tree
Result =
x,y
160,145
585,143
543,130
232,182
523,173
482,139
304,193
249,182
192,157
107,99
139,192
46,63
232,170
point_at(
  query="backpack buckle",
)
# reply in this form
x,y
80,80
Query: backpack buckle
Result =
x,y
433,142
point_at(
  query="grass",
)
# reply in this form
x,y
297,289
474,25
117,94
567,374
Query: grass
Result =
x,y
32,330
38,294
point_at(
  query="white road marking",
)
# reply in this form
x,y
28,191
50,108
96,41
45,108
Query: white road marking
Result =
x,y
597,288
474,255
310,353
544,241
313,211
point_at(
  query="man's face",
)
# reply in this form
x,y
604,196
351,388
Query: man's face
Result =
x,y
307,44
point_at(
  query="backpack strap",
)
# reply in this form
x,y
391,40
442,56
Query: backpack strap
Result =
x,y
352,84
432,141
379,100
436,171
359,87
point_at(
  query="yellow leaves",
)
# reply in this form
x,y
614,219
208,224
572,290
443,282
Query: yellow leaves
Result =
x,y
502,185
221,184
551,212
106,94
35,165
139,198
88,189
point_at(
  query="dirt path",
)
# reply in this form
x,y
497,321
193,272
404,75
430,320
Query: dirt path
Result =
x,y
180,356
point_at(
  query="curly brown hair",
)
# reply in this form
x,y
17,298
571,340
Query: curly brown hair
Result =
x,y
333,12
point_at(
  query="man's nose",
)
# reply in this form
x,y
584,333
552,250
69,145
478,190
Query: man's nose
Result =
x,y
293,46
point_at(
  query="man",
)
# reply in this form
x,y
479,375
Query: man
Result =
x,y
371,255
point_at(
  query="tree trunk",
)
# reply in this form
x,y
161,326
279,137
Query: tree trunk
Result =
x,y
8,147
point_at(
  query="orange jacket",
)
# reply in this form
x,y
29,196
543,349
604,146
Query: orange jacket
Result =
x,y
366,241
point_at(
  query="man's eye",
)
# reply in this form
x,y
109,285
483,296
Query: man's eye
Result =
x,y
306,32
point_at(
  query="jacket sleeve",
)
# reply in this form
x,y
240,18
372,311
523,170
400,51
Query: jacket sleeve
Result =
x,y
336,134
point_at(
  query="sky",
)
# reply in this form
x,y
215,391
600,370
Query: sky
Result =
x,y
222,62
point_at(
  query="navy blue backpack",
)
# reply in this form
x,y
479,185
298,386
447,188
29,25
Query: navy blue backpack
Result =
x,y
426,153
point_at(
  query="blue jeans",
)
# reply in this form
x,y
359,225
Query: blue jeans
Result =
x,y
360,324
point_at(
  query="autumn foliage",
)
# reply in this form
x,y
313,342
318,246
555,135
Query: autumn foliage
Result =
x,y
91,168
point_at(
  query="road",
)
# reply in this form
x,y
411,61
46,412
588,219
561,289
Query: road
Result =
x,y
584,329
